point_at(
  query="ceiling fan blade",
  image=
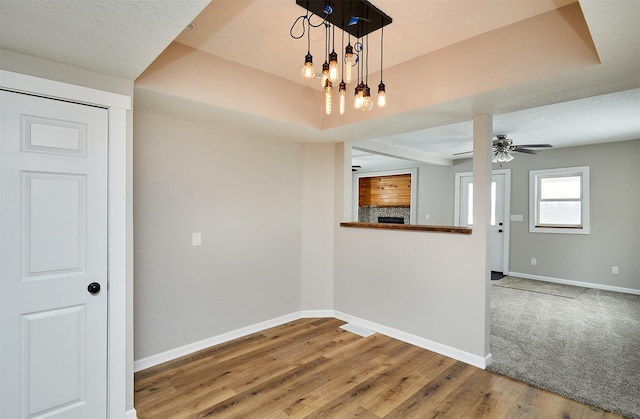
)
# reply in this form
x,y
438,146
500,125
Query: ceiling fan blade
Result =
x,y
464,152
524,150
534,146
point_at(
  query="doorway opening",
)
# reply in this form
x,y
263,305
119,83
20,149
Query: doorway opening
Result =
x,y
385,196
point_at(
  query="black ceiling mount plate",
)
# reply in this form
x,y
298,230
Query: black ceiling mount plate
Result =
x,y
371,18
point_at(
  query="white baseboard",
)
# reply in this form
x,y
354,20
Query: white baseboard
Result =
x,y
131,414
475,360
488,359
310,314
169,355
466,357
576,283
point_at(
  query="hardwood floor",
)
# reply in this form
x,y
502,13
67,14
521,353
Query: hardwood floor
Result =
x,y
310,368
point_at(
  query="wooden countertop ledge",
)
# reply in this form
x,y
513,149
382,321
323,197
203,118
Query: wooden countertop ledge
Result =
x,y
410,227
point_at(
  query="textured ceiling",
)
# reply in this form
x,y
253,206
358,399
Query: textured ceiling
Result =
x,y
122,38
604,118
556,109
119,38
256,33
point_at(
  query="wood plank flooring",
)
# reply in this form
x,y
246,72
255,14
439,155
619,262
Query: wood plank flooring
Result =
x,y
310,368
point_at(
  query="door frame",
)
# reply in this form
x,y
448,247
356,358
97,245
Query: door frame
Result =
x,y
506,209
118,232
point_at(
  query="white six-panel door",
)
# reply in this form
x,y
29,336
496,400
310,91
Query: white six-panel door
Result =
x,y
53,233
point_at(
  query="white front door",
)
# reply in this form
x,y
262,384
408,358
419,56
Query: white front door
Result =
x,y
497,227
53,225
499,238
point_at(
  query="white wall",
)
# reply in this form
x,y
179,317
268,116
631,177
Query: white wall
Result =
x,y
243,192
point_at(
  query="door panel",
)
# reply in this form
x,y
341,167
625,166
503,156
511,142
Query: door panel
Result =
x,y
61,355
53,224
54,209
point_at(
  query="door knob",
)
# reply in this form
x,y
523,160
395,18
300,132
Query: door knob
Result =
x,y
499,223
499,231
93,288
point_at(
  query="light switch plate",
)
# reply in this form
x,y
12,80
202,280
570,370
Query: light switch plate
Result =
x,y
196,239
517,217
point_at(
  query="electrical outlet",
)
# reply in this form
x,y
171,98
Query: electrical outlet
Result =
x,y
534,261
427,217
615,270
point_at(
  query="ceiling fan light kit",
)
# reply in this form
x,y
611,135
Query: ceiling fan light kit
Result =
x,y
357,18
503,146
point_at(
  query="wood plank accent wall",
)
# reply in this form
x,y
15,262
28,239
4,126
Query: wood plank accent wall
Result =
x,y
385,191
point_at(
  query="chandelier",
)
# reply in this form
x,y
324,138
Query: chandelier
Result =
x,y
357,19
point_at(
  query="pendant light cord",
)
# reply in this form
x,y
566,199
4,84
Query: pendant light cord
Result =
x,y
367,60
381,50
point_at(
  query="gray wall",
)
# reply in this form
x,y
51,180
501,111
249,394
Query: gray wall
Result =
x,y
414,282
435,194
615,214
615,218
244,194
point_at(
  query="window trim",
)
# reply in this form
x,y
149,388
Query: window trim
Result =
x,y
534,182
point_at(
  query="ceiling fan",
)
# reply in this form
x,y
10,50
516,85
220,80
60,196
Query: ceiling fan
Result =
x,y
503,146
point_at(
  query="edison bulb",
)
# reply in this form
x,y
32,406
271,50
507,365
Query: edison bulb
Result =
x,y
367,102
343,96
307,70
349,61
382,97
358,100
333,67
325,74
327,97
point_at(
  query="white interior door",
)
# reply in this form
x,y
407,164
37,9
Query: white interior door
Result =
x,y
499,238
53,224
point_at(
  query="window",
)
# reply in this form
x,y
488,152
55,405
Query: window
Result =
x,y
470,204
559,200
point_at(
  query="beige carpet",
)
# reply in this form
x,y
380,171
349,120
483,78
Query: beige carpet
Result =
x,y
550,288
